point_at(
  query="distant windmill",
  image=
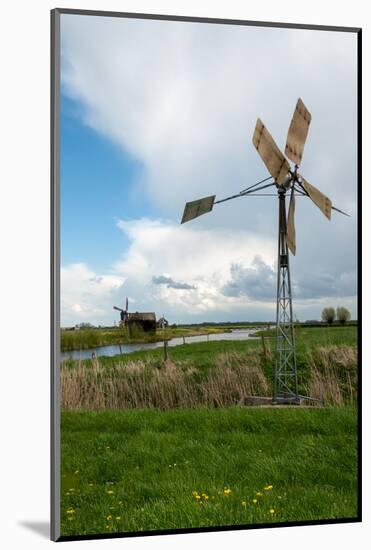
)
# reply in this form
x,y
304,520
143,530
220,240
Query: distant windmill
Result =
x,y
124,314
285,180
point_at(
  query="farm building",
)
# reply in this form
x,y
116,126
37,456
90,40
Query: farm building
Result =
x,y
145,321
162,323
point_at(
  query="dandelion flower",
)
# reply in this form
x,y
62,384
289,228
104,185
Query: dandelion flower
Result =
x,y
198,497
227,491
71,511
254,500
271,510
109,517
110,492
259,494
118,518
243,502
268,488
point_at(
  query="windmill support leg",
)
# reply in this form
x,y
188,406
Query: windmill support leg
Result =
x,y
285,379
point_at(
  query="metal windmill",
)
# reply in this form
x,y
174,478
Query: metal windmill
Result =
x,y
124,314
285,180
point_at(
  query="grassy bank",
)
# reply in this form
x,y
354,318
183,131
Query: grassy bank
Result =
x,y
96,337
212,374
151,470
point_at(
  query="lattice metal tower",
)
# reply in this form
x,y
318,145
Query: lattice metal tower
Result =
x,y
285,376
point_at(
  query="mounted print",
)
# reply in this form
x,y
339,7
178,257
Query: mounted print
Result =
x,y
205,274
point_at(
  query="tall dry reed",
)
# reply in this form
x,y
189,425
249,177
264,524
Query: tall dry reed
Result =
x,y
143,384
331,376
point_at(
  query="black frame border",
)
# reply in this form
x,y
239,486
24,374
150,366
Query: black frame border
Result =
x,y
55,268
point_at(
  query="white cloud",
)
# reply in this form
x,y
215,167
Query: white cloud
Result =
x,y
217,275
184,98
86,296
200,259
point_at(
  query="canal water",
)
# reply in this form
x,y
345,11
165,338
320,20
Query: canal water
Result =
x,y
237,334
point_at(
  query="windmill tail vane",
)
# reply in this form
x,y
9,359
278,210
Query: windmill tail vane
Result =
x,y
286,180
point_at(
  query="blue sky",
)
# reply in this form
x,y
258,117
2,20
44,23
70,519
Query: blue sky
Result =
x,y
157,113
97,189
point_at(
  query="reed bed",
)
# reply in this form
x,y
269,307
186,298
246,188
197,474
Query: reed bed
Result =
x,y
330,375
333,376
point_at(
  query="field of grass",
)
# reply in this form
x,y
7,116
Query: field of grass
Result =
x,y
125,471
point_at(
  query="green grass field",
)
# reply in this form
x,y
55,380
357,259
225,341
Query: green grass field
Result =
x,y
136,470
131,469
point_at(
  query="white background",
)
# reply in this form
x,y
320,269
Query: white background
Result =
x,y
24,298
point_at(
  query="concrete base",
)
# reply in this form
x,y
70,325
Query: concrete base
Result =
x,y
260,401
286,401
256,400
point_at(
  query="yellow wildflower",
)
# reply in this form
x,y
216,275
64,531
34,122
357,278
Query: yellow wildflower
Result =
x,y
271,510
110,492
71,511
254,500
109,517
243,502
227,491
198,497
259,494
77,471
118,518
268,488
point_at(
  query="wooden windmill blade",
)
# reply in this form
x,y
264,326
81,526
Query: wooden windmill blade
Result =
x,y
297,133
319,199
270,154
